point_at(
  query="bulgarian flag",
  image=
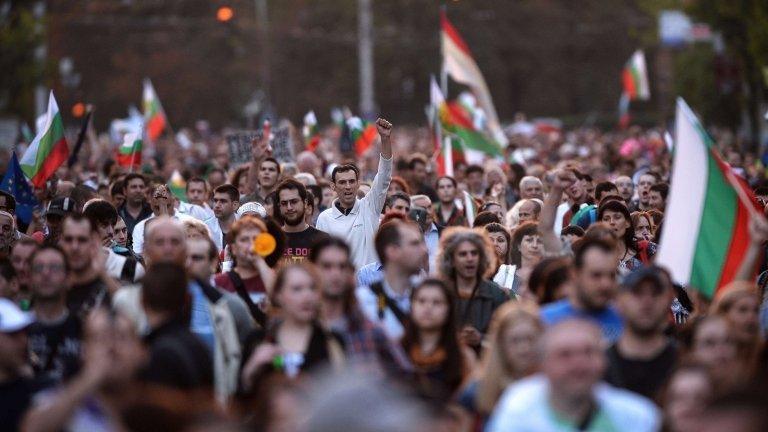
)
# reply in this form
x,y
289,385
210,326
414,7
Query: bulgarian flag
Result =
x,y
362,133
129,152
706,224
459,64
154,116
311,136
455,119
178,186
48,150
634,78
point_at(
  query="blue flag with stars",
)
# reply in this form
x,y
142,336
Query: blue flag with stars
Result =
x,y
16,184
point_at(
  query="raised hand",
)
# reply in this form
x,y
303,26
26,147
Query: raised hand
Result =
x,y
563,179
384,128
260,148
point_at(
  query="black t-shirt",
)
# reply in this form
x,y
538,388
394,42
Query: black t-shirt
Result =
x,y
55,348
299,244
645,377
15,398
84,297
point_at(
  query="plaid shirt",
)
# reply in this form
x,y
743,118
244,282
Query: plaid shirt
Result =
x,y
368,349
457,218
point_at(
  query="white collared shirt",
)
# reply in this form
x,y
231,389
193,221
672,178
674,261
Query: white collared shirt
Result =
x,y
359,226
138,231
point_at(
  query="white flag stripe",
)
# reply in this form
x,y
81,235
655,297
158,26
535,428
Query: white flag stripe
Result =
x,y
685,205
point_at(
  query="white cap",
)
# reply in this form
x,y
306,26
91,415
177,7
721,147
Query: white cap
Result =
x,y
252,207
12,319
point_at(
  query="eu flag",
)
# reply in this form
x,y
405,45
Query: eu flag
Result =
x,y
16,184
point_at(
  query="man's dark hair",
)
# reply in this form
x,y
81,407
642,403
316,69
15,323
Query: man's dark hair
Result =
x,y
6,269
310,201
453,181
604,187
11,202
654,174
81,194
581,247
117,187
761,190
484,218
132,176
78,218
344,168
397,196
53,247
228,189
474,168
327,242
219,170
417,159
662,189
572,230
196,180
316,191
273,160
292,184
101,212
164,288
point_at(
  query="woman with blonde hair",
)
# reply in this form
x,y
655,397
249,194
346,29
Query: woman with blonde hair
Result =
x,y
510,353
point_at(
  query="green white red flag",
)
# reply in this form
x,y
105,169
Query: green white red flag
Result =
x,y
706,223
456,120
459,64
634,77
310,132
129,152
362,133
48,150
154,115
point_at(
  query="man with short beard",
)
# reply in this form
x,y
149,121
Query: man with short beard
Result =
x,y
136,208
446,210
291,205
643,358
226,201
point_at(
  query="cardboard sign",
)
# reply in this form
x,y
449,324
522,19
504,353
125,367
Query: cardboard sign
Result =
x,y
282,145
239,144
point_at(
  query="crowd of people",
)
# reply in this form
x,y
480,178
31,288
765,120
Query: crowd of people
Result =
x,y
373,294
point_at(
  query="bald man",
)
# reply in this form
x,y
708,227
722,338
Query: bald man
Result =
x,y
567,395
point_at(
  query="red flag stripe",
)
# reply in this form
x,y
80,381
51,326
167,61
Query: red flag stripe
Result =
x,y
453,34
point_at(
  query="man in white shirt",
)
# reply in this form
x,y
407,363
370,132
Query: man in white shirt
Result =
x,y
162,203
356,220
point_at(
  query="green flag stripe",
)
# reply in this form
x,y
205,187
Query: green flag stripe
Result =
x,y
52,136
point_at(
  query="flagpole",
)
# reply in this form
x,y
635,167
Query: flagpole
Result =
x,y
447,149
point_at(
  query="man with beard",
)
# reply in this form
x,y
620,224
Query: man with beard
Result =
x,y
643,358
594,288
292,200
446,210
136,208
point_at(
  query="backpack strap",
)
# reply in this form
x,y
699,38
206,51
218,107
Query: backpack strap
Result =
x,y
383,301
256,312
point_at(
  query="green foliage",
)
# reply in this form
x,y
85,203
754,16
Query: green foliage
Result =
x,y
20,71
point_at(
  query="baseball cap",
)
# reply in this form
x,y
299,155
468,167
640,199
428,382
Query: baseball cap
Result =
x,y
251,207
657,275
61,206
12,319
